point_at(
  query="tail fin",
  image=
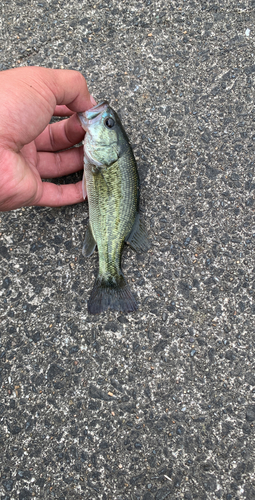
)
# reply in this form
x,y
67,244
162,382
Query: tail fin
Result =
x,y
109,295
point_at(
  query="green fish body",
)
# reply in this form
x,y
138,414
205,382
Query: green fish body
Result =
x,y
112,186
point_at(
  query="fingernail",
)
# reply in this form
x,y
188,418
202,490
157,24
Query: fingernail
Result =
x,y
92,100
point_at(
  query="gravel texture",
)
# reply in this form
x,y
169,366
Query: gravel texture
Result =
x,y
159,404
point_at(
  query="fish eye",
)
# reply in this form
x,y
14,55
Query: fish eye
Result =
x,y
109,122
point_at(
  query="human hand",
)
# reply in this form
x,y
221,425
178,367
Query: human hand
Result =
x,y
31,149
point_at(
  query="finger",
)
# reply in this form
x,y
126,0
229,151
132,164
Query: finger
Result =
x,y
53,195
70,88
62,111
29,97
52,165
60,135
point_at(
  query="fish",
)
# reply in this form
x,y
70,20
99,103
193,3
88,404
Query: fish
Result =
x,y
111,183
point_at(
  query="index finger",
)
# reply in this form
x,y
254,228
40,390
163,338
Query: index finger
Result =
x,y
34,93
62,110
69,88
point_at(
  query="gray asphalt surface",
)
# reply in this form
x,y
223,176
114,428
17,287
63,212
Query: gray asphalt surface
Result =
x,y
159,404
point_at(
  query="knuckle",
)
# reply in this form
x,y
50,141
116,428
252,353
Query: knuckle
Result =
x,y
51,136
78,191
79,81
58,164
60,195
80,78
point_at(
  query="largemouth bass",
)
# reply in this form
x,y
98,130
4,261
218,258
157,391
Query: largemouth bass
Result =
x,y
112,186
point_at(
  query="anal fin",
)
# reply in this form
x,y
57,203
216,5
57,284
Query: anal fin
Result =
x,y
89,244
138,239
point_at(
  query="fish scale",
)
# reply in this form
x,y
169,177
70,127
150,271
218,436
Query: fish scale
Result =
x,y
112,186
113,204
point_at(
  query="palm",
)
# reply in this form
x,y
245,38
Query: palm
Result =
x,y
30,155
31,150
29,159
32,181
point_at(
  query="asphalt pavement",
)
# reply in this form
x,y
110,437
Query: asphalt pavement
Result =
x,y
159,404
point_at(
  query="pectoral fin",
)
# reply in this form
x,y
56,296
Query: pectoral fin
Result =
x,y
137,239
89,244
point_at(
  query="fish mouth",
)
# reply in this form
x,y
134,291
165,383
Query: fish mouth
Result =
x,y
91,115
